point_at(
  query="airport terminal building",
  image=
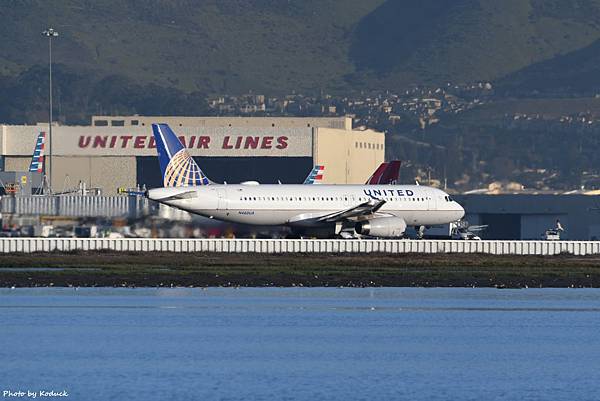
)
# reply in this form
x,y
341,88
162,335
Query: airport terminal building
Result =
x,y
115,152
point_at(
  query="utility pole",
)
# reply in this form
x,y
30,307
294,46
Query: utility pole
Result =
x,y
50,33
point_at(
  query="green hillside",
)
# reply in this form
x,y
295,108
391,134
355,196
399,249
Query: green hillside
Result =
x,y
577,72
224,46
277,46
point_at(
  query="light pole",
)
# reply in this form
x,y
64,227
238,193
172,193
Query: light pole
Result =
x,y
50,33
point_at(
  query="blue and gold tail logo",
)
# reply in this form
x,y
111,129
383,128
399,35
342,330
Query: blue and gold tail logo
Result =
x,y
177,166
182,171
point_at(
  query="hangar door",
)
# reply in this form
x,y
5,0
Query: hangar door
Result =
x,y
501,226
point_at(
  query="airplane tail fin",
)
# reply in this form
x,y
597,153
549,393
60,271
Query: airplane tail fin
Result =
x,y
391,173
386,173
178,168
315,176
37,160
376,177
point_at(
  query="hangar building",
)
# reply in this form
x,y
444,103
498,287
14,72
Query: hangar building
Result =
x,y
527,216
117,152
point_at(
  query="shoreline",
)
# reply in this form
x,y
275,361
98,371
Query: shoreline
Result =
x,y
164,269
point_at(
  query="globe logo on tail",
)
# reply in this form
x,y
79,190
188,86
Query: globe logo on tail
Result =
x,y
182,171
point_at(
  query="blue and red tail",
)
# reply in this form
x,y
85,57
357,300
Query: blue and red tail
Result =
x,y
315,176
37,160
176,165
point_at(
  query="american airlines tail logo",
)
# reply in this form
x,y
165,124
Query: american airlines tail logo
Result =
x,y
182,171
37,160
315,176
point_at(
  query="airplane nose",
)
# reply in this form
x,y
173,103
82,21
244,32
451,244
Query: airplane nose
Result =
x,y
461,211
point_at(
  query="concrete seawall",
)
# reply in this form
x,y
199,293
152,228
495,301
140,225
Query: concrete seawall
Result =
x,y
29,245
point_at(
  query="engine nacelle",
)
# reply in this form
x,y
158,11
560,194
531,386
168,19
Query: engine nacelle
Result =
x,y
387,227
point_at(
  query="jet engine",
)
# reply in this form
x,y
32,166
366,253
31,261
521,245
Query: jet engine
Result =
x,y
387,227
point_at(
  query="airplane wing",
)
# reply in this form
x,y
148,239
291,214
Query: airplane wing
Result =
x,y
364,209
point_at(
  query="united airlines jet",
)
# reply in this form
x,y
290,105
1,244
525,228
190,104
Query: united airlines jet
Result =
x,y
320,210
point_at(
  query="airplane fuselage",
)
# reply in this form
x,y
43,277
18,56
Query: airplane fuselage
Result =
x,y
294,204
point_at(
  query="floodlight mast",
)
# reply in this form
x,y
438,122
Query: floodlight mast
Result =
x,y
50,33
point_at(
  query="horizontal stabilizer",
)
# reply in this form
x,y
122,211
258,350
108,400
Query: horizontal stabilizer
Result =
x,y
180,196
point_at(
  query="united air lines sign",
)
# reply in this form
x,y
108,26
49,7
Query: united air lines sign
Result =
x,y
253,142
126,141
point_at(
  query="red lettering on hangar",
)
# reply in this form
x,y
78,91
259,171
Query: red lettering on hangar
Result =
x,y
254,142
113,141
198,142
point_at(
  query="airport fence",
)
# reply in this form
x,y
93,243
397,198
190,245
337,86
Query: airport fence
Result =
x,y
75,206
30,245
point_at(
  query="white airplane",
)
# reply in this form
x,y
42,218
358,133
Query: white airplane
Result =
x,y
320,210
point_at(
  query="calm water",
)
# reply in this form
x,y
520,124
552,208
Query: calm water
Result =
x,y
302,344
